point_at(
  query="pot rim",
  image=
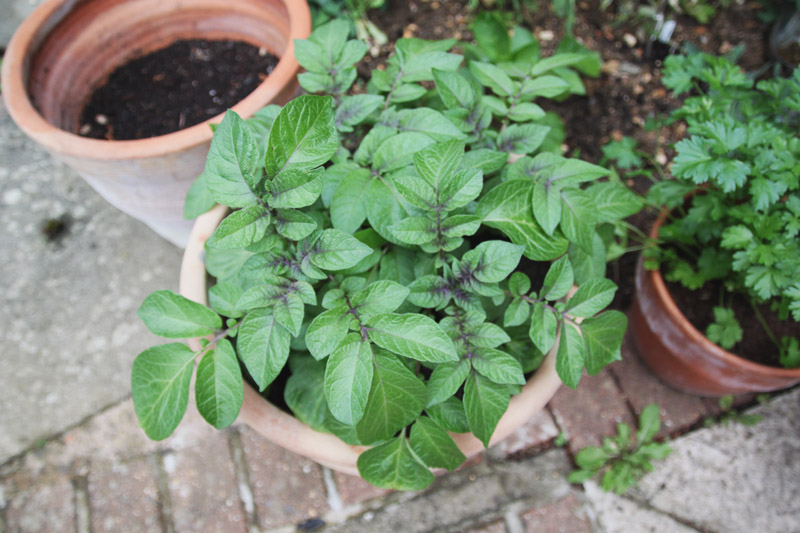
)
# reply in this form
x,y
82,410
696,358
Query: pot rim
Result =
x,y
325,448
22,110
687,328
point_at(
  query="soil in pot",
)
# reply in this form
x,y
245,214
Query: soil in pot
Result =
x,y
756,345
173,88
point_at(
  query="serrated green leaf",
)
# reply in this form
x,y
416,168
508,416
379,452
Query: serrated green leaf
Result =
x,y
414,230
460,188
454,90
379,297
602,336
348,378
578,217
174,316
241,228
725,329
392,466
429,291
303,136
446,379
498,366
232,163
396,399
294,225
570,356
219,390
411,335
398,151
613,201
289,311
263,346
493,261
336,250
485,402
160,381
591,297
295,188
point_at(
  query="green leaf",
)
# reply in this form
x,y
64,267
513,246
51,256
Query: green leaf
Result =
x,y
546,202
414,230
171,315
304,391
438,162
485,403
294,225
460,189
526,111
327,331
446,379
649,424
613,201
198,199
263,346
379,297
558,280
736,237
454,90
429,291
434,446
491,35
232,163
450,415
396,399
498,366
578,217
429,122
591,297
588,266
289,311
354,109
296,188
336,250
543,327
241,228
516,313
522,138
160,382
461,225
392,466
303,136
602,336
493,261
570,356
725,330
219,390
348,378
398,151
411,335
493,77
545,86
222,298
556,61
348,207
507,207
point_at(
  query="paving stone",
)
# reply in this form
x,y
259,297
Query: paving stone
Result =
x,y
353,489
590,412
287,487
617,514
124,497
48,507
564,516
203,488
540,429
642,387
734,478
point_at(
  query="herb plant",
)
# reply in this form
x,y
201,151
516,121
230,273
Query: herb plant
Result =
x,y
734,203
623,460
381,254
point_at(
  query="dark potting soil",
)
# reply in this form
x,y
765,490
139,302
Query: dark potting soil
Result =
x,y
174,88
756,346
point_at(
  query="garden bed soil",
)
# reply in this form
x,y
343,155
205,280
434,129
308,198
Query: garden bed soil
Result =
x,y
184,84
698,307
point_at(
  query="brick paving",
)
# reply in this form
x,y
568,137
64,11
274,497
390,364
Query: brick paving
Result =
x,y
104,475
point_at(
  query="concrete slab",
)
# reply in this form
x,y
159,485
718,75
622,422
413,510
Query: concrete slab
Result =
x,y
734,478
14,12
68,303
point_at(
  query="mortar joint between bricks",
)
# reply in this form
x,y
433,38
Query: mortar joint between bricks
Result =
x,y
246,495
83,518
156,461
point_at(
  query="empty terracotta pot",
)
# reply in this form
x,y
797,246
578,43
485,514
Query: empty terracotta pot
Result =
x,y
284,430
67,48
683,357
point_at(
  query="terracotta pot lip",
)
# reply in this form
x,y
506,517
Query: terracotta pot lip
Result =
x,y
21,109
692,332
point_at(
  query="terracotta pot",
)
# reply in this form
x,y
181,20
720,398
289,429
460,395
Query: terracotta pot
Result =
x,y
326,449
683,357
67,48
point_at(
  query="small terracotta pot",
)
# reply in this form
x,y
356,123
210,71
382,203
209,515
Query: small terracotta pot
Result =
x,y
326,449
67,48
683,357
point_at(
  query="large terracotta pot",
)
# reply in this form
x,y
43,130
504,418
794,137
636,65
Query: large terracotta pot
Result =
x,y
66,48
326,449
683,357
